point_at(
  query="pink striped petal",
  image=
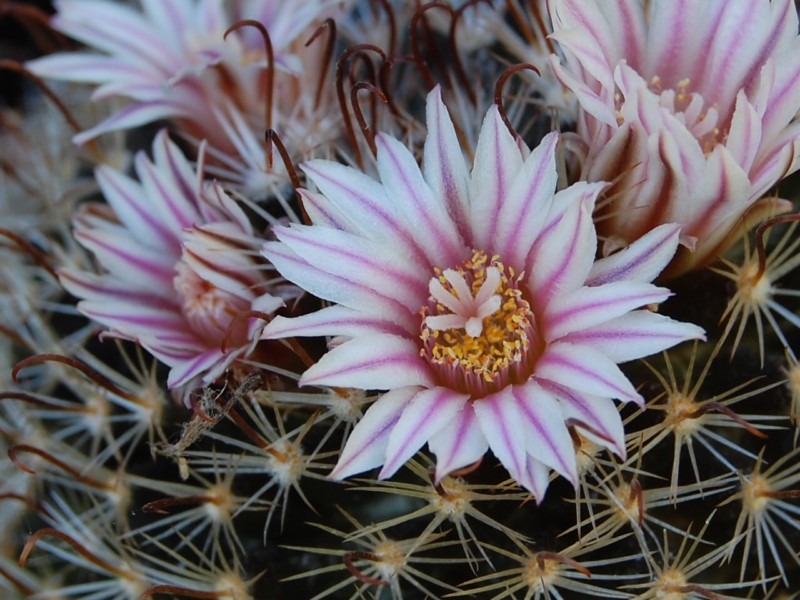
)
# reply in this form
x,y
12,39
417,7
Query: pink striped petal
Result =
x,y
590,306
366,446
141,321
546,436
585,370
84,67
557,267
361,261
425,416
334,321
134,115
426,214
365,202
372,362
502,424
324,213
134,210
642,261
636,335
497,162
109,289
130,261
459,444
744,134
184,372
535,478
522,215
599,416
443,165
352,294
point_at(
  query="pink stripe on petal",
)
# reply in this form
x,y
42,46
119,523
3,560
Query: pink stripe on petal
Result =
x,y
590,306
374,362
586,370
535,478
425,416
352,294
642,261
497,161
502,425
547,437
443,164
635,335
600,415
366,446
427,216
522,216
334,321
459,444
563,254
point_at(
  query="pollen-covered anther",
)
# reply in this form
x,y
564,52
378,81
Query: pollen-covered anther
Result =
x,y
478,331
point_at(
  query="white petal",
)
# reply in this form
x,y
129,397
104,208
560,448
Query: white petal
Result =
x,y
497,162
425,416
636,335
366,446
586,370
374,362
443,164
459,444
503,426
590,306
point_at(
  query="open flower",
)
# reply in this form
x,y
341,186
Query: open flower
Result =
x,y
182,267
688,107
475,300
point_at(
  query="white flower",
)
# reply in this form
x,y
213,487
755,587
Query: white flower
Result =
x,y
475,300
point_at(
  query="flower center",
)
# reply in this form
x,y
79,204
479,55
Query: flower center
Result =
x,y
208,309
690,108
478,331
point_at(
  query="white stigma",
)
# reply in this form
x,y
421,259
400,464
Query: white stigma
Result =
x,y
468,310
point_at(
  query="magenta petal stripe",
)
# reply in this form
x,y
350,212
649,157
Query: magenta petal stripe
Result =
x,y
459,444
548,439
587,370
590,306
426,415
370,362
635,335
502,425
366,446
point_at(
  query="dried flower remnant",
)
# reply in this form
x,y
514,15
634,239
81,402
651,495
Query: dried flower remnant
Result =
x,y
689,111
181,276
475,300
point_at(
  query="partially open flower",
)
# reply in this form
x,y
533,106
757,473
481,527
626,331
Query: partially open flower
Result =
x,y
173,61
475,299
182,270
688,108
